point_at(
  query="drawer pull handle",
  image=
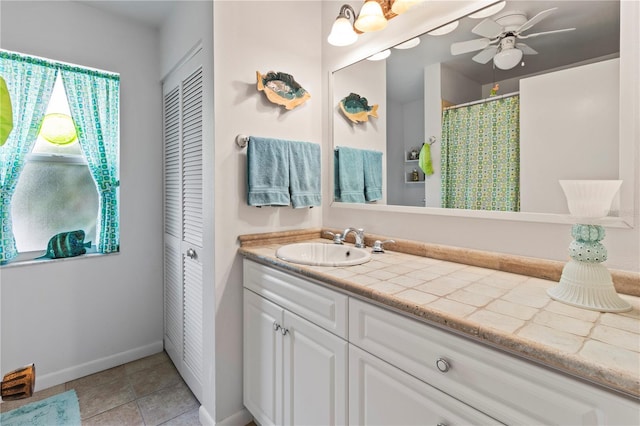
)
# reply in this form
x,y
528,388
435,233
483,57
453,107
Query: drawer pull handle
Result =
x,y
442,424
443,365
276,326
284,331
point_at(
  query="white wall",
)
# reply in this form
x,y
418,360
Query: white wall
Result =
x,y
79,316
395,154
458,88
252,36
561,116
500,233
433,127
405,131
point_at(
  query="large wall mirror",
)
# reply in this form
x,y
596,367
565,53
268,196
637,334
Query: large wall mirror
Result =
x,y
541,77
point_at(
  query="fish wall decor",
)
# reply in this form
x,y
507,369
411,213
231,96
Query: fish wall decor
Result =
x,y
66,244
357,109
282,89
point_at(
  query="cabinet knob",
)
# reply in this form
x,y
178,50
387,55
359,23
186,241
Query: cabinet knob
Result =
x,y
276,326
284,331
443,365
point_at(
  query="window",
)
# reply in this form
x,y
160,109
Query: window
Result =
x,y
59,169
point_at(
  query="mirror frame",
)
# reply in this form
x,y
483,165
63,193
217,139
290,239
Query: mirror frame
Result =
x,y
431,15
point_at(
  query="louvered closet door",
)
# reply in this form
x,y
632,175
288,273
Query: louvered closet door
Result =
x,y
183,248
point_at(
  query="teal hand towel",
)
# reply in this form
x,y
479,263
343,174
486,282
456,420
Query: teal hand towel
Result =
x,y
424,160
372,162
304,174
349,175
268,172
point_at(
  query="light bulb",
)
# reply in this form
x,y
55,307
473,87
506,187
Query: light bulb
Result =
x,y
371,17
342,33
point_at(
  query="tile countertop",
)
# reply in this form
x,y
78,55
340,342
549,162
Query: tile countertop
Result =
x,y
494,305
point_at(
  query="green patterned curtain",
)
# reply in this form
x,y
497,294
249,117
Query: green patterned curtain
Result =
x,y
30,84
94,102
480,156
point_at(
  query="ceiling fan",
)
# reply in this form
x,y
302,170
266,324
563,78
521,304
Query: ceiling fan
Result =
x,y
500,38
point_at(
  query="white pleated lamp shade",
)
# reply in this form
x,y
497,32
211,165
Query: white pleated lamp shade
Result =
x,y
590,199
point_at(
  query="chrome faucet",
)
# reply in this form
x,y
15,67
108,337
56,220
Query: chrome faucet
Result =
x,y
359,233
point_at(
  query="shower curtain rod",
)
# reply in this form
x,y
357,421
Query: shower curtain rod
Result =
x,y
481,101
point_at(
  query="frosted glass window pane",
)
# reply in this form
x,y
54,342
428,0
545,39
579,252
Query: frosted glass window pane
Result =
x,y
51,198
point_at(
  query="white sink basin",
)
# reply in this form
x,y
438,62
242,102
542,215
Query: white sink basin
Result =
x,y
322,254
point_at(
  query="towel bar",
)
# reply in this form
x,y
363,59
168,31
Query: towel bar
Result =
x,y
242,140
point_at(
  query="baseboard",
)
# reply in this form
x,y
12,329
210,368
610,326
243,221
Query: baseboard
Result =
x,y
48,380
241,418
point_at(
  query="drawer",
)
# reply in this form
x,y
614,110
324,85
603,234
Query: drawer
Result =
x,y
320,305
506,388
381,394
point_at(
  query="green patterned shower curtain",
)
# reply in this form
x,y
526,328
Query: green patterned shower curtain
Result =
x,y
480,156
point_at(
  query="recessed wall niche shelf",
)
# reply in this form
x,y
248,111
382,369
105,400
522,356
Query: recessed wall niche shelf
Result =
x,y
408,177
411,163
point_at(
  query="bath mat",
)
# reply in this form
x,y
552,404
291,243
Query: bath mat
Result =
x,y
62,410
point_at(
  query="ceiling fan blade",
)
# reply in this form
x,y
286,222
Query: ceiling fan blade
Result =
x,y
526,49
469,46
488,28
544,33
531,22
486,55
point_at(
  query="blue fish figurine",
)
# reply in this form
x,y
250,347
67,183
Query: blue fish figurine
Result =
x,y
66,244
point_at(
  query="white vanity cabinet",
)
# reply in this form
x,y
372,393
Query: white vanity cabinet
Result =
x,y
295,371
504,387
300,335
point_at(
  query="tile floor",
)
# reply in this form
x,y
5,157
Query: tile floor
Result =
x,y
146,392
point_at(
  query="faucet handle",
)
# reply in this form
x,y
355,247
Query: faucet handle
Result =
x,y
337,238
378,246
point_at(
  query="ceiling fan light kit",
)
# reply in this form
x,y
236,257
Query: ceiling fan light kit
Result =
x,y
500,37
507,59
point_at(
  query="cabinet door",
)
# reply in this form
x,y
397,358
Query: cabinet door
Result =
x,y
262,359
315,374
381,394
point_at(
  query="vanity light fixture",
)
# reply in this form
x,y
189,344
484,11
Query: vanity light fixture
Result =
x,y
373,16
488,11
